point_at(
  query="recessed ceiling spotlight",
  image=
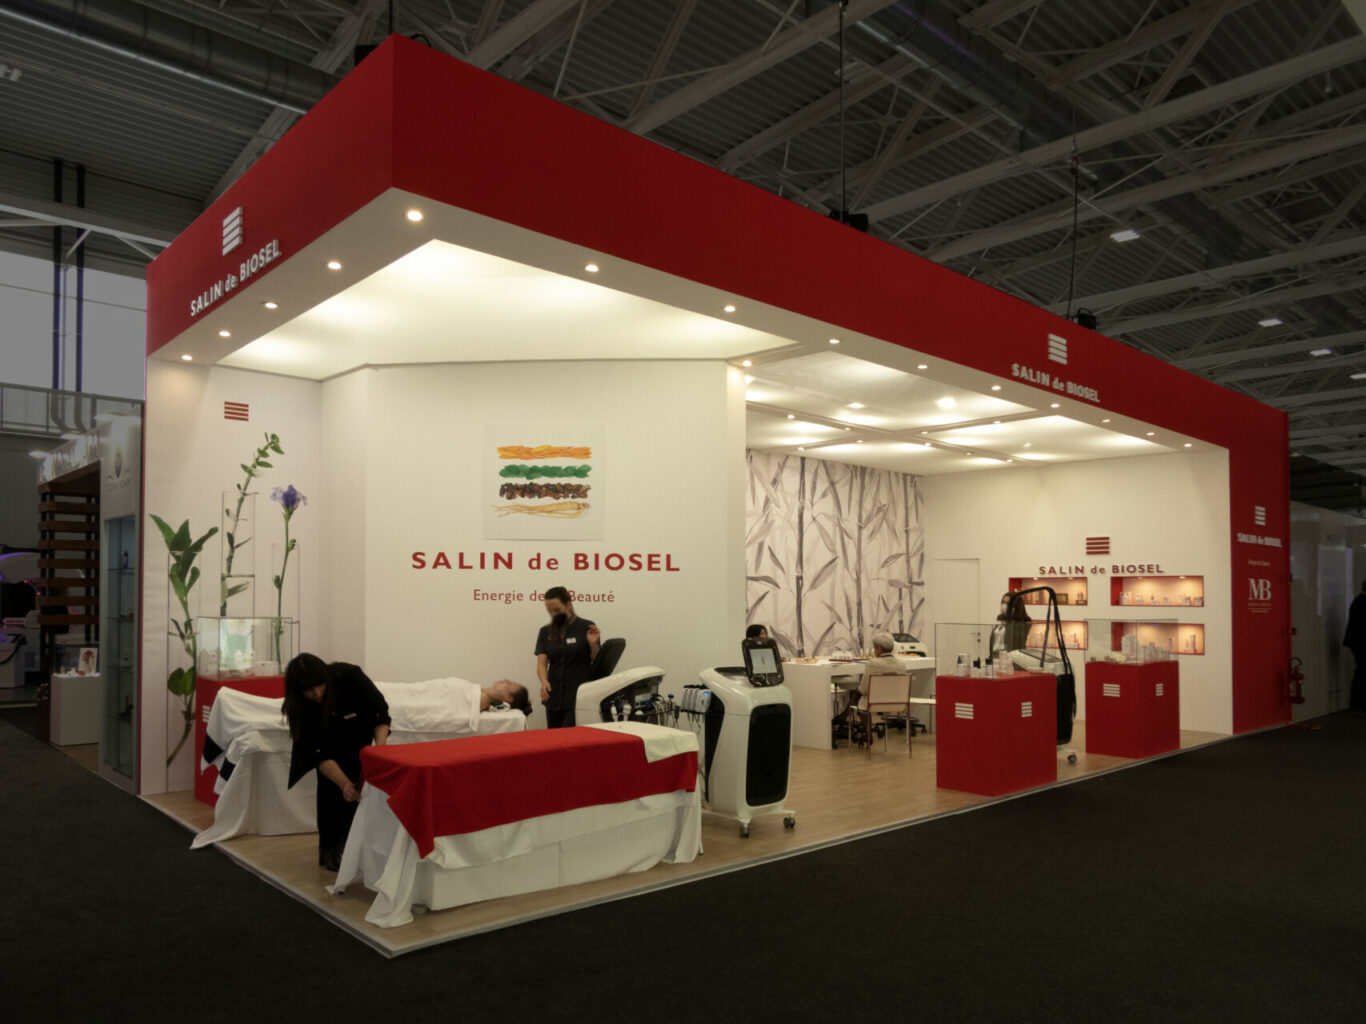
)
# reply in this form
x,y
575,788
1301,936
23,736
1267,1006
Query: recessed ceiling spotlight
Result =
x,y
856,405
848,428
187,357
1055,405
1271,321
922,366
1321,352
225,334
995,387
1027,444
859,441
1186,445
728,309
834,341
801,448
945,403
1106,420
1150,433
1010,460
414,215
747,363
792,415
333,264
271,305
592,268
995,423
1124,235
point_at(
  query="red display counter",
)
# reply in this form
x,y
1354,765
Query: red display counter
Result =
x,y
205,690
996,736
1133,710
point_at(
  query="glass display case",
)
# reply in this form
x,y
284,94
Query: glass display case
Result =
x,y
1132,641
119,639
235,648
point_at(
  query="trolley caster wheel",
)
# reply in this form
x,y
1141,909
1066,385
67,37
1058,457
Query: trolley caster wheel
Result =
x,y
790,822
1071,758
744,831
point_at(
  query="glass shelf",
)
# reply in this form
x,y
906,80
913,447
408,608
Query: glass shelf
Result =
x,y
1071,590
1157,591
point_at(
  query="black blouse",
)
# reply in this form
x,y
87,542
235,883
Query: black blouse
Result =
x,y
356,708
569,661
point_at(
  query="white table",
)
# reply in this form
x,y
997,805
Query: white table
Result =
x,y
811,686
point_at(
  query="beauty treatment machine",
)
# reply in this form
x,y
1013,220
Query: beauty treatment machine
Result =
x,y
743,717
629,696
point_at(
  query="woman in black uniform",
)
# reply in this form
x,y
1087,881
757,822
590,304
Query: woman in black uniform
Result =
x,y
565,650
333,712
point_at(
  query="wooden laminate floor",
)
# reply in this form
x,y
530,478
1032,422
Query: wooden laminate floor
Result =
x,y
892,791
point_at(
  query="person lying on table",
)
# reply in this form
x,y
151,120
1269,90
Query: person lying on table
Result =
x,y
334,711
505,692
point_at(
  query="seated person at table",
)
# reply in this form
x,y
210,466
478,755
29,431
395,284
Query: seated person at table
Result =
x,y
882,662
505,692
334,711
756,632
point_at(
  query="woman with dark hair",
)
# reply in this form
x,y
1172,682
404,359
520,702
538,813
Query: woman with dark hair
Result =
x,y
333,712
565,650
756,632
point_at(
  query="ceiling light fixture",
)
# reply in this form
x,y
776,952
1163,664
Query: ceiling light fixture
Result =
x,y
1359,376
187,357
995,387
333,265
1106,420
834,341
728,309
1186,445
592,268
746,363
1027,444
1055,405
225,334
414,215
1321,352
922,366
1150,433
945,403
1271,321
792,415
859,441
1124,235
271,305
856,405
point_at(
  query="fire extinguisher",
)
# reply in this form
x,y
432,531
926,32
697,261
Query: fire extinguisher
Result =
x,y
1296,682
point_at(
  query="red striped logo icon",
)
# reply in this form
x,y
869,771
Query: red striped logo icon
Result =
x,y
1097,545
236,411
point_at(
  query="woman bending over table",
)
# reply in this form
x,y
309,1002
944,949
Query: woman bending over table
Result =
x,y
333,712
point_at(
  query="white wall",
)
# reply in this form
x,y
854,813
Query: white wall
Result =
x,y
114,328
673,485
1166,509
192,456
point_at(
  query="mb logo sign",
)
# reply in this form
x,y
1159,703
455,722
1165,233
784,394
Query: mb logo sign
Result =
x,y
1259,590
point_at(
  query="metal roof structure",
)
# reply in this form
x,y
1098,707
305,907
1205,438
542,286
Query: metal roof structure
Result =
x,y
1016,141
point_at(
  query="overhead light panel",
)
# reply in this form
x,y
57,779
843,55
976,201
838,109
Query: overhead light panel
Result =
x,y
1271,321
1124,235
1359,376
1321,352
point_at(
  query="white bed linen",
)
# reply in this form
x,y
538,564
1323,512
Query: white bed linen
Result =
x,y
544,852
255,740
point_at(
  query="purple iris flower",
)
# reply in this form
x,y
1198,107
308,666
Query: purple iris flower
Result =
x,y
289,498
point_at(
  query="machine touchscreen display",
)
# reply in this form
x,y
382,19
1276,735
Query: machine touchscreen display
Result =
x,y
762,665
762,661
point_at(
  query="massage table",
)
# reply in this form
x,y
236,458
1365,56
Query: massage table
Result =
x,y
248,743
445,824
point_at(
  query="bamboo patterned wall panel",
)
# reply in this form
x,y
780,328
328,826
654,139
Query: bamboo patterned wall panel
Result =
x,y
833,553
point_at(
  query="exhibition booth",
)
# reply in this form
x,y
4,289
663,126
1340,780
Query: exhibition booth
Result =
x,y
750,413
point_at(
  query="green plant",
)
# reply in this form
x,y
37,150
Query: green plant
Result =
x,y
271,447
183,575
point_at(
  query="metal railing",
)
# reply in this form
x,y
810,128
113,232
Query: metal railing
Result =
x,y
46,413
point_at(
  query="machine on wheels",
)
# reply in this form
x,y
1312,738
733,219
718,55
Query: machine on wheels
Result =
x,y
744,719
1059,665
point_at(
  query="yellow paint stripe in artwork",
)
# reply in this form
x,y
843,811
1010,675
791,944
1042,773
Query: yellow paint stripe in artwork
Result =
x,y
544,451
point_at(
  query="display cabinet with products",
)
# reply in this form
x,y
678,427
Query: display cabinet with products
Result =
x,y
1074,634
1070,590
1132,641
1157,591
241,648
119,637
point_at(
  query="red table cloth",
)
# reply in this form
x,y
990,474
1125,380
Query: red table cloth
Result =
x,y
450,787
